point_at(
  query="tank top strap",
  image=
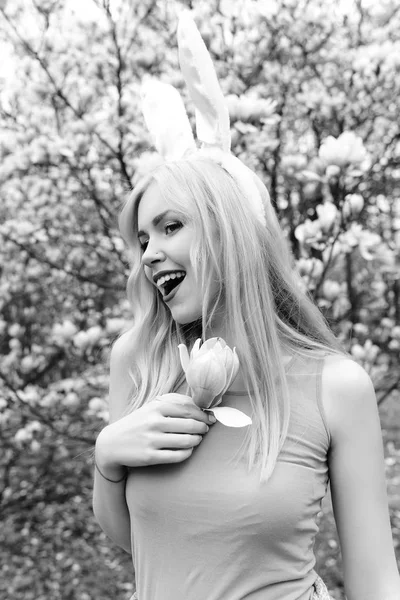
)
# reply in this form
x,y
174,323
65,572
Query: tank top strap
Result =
x,y
310,365
305,378
319,391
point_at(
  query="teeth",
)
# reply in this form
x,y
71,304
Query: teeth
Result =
x,y
165,278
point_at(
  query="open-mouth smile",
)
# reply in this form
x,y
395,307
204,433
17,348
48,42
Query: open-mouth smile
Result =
x,y
168,284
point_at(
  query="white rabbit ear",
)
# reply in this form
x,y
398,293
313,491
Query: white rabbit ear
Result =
x,y
212,115
166,119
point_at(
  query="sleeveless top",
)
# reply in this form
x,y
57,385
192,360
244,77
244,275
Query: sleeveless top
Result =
x,y
206,529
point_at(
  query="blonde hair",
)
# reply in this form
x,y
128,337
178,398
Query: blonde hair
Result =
x,y
266,309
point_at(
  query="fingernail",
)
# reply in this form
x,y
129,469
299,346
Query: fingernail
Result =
x,y
212,418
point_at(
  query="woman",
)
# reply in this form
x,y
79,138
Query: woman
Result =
x,y
207,511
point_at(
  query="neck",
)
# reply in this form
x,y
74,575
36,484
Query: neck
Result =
x,y
238,384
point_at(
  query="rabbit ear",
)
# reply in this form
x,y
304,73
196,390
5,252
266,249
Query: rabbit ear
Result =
x,y
212,115
166,119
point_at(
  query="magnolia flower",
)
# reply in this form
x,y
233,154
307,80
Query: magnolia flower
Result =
x,y
358,352
71,399
353,205
210,370
35,446
115,325
34,426
90,337
64,331
331,289
347,149
360,329
326,215
310,267
396,332
245,108
22,435
368,352
15,330
292,163
332,172
386,322
366,241
309,231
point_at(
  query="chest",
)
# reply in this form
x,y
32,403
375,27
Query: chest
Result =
x,y
214,493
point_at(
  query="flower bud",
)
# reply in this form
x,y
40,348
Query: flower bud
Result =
x,y
394,345
206,377
358,352
331,289
209,370
326,215
371,351
353,205
360,329
396,332
332,171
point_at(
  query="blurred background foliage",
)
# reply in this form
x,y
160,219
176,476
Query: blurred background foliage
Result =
x,y
314,94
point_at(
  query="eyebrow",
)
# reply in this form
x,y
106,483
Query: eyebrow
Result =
x,y
155,221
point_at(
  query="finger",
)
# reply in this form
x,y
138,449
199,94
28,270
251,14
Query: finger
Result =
x,y
177,441
184,411
173,456
172,397
177,425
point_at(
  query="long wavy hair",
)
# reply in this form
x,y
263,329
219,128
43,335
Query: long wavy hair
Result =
x,y
265,306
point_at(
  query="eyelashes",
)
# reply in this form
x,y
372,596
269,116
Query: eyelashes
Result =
x,y
174,226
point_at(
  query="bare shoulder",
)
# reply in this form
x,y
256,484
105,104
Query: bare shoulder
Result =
x,y
357,480
120,349
121,382
347,392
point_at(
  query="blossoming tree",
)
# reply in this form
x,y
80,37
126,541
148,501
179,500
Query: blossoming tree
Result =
x,y
314,96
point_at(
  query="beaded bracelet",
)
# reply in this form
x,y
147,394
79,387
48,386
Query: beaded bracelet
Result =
x,y
111,480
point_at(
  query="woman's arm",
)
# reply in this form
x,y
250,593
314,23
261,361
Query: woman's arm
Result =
x,y
166,429
358,485
109,504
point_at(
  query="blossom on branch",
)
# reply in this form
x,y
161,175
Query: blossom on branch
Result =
x,y
347,149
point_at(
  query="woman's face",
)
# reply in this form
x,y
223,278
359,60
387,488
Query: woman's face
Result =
x,y
166,243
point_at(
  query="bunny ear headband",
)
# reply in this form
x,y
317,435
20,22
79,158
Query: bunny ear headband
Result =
x,y
169,126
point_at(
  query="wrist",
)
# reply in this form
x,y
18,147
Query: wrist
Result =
x,y
108,466
112,479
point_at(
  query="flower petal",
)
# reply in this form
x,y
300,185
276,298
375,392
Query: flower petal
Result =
x,y
206,371
202,397
217,400
231,376
231,417
209,344
195,348
184,356
218,345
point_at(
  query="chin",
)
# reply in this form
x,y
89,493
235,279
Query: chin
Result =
x,y
182,318
187,321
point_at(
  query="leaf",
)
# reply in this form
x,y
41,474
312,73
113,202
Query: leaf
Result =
x,y
231,417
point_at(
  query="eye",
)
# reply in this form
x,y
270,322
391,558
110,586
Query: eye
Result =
x,y
174,226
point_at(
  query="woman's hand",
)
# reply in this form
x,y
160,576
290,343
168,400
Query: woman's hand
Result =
x,y
164,430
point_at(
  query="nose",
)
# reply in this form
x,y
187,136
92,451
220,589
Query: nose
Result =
x,y
151,255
